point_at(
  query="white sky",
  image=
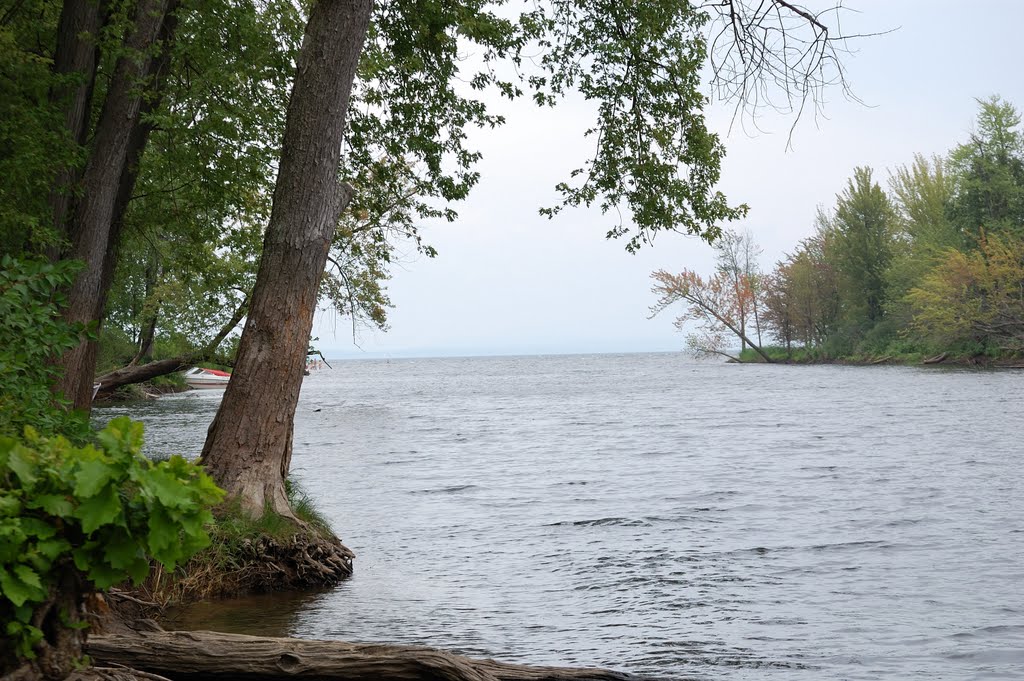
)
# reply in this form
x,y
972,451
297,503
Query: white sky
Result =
x,y
508,281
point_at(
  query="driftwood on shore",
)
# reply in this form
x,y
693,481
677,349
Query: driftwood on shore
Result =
x,y
937,359
207,655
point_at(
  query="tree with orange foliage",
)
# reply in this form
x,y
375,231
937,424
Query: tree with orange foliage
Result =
x,y
716,304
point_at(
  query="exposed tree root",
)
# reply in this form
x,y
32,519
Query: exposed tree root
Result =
x,y
263,563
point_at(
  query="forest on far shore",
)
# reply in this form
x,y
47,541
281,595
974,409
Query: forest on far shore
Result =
x,y
932,265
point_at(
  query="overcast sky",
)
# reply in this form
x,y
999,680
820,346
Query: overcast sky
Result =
x,y
508,281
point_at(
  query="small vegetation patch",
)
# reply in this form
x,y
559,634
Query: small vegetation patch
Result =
x,y
254,555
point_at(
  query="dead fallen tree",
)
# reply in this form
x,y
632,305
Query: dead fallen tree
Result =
x,y
213,656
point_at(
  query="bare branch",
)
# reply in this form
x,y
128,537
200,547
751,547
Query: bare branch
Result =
x,y
777,55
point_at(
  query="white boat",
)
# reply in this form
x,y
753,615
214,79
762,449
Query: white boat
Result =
x,y
199,377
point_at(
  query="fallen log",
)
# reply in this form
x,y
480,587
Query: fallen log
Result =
x,y
936,359
214,656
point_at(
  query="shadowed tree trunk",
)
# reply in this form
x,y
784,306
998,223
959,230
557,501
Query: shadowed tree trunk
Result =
x,y
248,447
147,333
75,56
107,182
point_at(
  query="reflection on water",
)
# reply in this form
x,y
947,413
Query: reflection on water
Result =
x,y
651,514
273,614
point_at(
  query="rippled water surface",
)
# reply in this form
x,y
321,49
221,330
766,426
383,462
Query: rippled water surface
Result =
x,y
660,516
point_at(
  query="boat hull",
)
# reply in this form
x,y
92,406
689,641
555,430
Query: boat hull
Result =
x,y
206,385
207,379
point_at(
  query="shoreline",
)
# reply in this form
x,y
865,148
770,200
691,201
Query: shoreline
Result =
x,y
944,359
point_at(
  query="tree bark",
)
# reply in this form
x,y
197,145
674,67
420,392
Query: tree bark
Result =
x,y
248,447
207,655
76,53
98,214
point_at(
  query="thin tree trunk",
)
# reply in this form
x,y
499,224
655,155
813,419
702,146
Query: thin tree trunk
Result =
x,y
146,336
757,319
98,214
736,330
248,447
148,331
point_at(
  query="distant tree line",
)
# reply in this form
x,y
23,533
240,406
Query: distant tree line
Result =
x,y
933,265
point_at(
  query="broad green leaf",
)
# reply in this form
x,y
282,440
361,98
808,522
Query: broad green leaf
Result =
x,y
99,510
163,531
52,548
20,461
54,504
16,590
10,505
84,555
167,488
28,576
104,576
34,527
121,550
139,568
91,477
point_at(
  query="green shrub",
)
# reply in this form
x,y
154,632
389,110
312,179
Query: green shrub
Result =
x,y
115,350
32,334
101,512
878,338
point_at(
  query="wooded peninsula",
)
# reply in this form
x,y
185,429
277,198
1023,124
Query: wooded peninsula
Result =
x,y
931,270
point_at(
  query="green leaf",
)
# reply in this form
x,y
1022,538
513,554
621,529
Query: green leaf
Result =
x,y
121,550
54,504
52,548
167,488
105,576
28,576
99,510
34,527
163,531
138,569
20,462
10,505
91,477
16,590
84,555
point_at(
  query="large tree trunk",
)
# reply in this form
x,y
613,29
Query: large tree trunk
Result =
x,y
248,448
207,655
76,55
98,214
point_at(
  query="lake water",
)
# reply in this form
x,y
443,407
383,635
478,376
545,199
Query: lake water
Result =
x,y
656,515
